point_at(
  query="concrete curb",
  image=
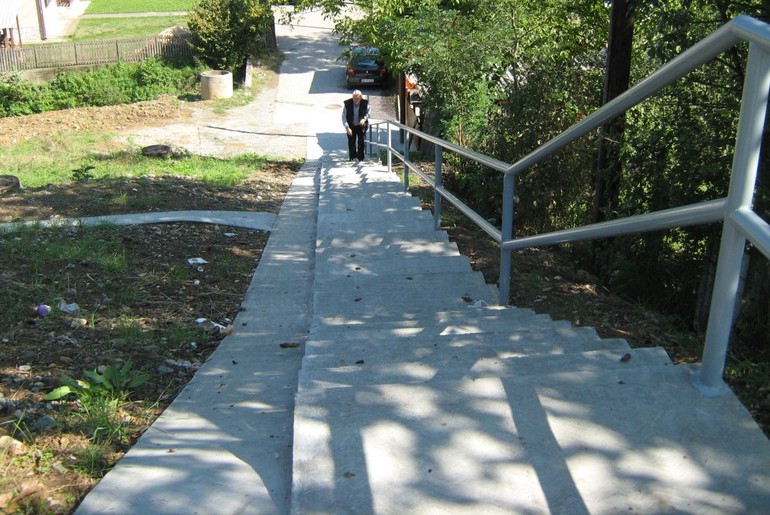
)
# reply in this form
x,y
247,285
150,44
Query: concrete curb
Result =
x,y
246,219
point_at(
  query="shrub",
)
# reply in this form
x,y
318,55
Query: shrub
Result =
x,y
226,32
121,83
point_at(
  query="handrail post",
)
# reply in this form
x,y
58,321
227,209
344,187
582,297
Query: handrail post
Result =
x,y
506,233
438,181
742,181
368,139
389,139
406,158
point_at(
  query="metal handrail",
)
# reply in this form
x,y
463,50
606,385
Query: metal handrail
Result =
x,y
740,222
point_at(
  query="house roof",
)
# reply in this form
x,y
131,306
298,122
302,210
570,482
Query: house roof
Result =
x,y
9,10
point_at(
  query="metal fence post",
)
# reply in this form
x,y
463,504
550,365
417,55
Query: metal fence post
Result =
x,y
407,140
390,146
506,233
742,181
438,180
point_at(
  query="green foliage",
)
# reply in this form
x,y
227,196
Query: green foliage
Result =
x,y
17,428
226,32
117,84
92,460
504,77
115,383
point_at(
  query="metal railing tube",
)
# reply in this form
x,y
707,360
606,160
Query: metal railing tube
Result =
x,y
407,143
506,233
472,215
754,228
749,29
707,49
694,214
439,182
748,144
390,147
495,164
740,223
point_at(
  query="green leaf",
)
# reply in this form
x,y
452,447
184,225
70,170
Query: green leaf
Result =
x,y
59,393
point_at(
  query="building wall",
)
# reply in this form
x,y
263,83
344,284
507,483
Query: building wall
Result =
x,y
58,21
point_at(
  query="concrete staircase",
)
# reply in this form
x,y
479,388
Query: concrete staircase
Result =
x,y
418,395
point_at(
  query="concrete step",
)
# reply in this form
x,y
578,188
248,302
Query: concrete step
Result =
x,y
375,227
630,439
467,363
516,344
362,269
505,329
333,202
370,207
401,324
355,296
327,251
360,242
373,218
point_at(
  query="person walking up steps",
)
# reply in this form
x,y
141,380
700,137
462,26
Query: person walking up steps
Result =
x,y
355,117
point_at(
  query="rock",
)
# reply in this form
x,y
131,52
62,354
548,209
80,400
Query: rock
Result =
x,y
29,355
12,446
585,277
157,151
44,422
9,183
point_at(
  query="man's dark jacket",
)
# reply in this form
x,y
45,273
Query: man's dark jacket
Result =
x,y
362,108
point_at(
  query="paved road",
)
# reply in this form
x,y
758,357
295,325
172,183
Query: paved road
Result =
x,y
298,117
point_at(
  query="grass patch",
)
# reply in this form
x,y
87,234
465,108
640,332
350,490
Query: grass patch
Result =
x,y
58,160
95,29
139,6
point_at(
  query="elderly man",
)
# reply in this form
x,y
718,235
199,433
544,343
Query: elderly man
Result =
x,y
355,116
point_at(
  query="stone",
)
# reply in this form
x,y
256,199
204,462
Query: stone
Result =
x,y
13,446
9,183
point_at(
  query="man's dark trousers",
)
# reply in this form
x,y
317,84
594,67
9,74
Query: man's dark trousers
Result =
x,y
356,142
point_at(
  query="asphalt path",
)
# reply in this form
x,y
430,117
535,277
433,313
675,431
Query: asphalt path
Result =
x,y
296,117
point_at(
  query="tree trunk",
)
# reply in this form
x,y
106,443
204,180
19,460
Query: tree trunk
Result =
x,y
609,167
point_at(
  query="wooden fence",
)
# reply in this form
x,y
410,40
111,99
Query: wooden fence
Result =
x,y
62,55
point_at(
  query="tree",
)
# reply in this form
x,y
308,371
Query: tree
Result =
x,y
226,32
609,166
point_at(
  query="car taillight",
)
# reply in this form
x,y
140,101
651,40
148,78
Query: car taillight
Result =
x,y
351,71
383,71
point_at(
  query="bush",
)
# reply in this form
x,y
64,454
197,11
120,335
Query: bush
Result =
x,y
226,32
121,83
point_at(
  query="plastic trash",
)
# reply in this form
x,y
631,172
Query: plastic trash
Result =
x,y
213,327
479,304
43,310
68,308
197,261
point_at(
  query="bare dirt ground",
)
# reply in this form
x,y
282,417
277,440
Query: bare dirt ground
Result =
x,y
47,455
